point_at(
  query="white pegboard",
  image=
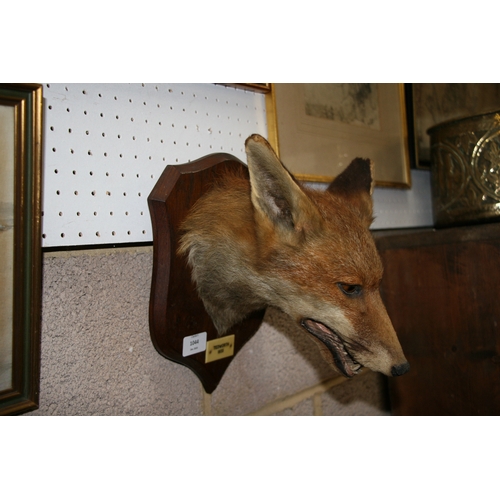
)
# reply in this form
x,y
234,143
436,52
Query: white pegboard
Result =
x,y
105,145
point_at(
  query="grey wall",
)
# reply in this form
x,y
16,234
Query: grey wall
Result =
x,y
97,357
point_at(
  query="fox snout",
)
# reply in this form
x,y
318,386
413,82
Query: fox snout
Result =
x,y
349,348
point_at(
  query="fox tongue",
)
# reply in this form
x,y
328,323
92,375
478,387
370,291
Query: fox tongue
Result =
x,y
343,361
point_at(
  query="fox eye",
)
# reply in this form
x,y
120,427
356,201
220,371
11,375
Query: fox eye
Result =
x,y
350,290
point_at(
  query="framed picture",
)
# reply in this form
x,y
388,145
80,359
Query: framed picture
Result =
x,y
261,88
435,103
321,127
20,246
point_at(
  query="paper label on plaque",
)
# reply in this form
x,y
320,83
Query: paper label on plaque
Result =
x,y
194,343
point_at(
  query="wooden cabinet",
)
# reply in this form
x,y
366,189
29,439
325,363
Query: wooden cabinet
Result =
x,y
442,292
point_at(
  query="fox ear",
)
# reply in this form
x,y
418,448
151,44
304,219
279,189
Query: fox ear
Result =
x,y
355,184
275,193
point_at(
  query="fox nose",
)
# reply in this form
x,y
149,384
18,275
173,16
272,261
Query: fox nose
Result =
x,y
398,370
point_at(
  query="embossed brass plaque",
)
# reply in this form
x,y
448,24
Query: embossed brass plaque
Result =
x,y
465,173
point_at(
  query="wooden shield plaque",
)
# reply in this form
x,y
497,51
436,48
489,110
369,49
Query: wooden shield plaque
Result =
x,y
177,316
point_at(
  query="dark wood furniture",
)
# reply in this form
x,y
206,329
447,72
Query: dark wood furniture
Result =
x,y
442,292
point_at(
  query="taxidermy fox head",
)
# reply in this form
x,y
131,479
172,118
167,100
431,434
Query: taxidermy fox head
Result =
x,y
269,241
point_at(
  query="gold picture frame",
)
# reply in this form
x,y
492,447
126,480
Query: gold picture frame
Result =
x,y
315,145
20,246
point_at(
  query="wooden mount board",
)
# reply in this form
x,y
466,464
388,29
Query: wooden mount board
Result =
x,y
175,309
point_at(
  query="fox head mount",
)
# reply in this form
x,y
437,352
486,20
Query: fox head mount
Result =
x,y
269,241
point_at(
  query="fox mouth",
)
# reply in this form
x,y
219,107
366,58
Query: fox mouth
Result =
x,y
342,358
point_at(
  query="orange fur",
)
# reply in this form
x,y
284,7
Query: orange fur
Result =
x,y
271,241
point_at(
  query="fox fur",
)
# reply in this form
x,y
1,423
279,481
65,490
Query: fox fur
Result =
x,y
271,241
